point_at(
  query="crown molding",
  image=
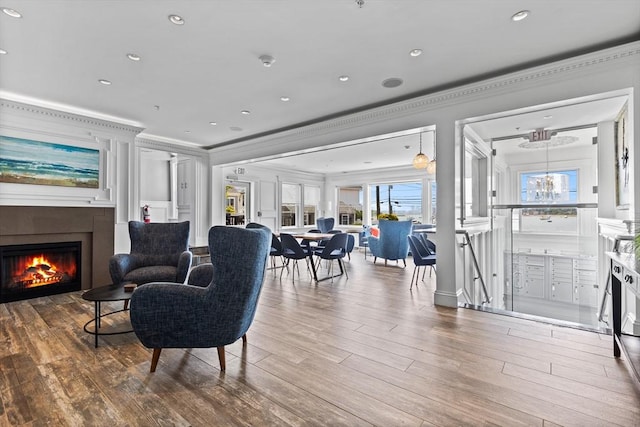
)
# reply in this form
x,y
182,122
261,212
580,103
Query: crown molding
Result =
x,y
531,77
112,123
167,144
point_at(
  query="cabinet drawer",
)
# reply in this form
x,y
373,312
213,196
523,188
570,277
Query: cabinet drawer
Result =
x,y
630,280
585,264
617,270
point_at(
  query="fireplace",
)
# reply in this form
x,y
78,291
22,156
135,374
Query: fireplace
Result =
x,y
35,270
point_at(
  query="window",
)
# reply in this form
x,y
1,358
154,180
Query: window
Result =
x,y
311,202
290,204
350,205
402,199
434,206
544,187
548,187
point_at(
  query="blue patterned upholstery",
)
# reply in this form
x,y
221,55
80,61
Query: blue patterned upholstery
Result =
x,y
201,275
325,224
159,253
168,315
392,243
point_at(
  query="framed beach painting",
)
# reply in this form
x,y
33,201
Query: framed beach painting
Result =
x,y
25,161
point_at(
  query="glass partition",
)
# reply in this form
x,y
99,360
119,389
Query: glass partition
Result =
x,y
545,261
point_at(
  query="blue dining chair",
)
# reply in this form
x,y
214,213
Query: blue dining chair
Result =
x,y
293,251
335,250
422,257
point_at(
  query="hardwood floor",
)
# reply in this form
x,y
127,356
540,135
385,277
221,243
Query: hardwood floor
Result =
x,y
362,351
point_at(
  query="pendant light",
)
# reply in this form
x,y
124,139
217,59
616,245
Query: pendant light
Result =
x,y
420,161
431,166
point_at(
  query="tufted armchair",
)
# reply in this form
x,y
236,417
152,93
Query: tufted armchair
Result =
x,y
159,253
392,243
170,315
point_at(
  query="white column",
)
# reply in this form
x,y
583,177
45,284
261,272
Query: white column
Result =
x,y
446,293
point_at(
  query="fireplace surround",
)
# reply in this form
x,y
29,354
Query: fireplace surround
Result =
x,y
93,227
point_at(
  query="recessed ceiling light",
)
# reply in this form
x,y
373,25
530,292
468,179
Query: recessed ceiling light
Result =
x,y
415,52
187,131
11,12
133,56
176,19
267,60
245,112
519,16
392,82
156,107
285,99
235,128
213,123
343,78
3,52
547,117
104,82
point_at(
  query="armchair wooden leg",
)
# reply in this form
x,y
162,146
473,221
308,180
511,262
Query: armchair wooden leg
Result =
x,y
244,339
223,365
154,359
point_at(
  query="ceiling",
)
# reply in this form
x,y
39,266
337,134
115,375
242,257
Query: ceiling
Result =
x,y
208,69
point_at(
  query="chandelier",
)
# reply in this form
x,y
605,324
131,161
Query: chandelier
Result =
x,y
420,161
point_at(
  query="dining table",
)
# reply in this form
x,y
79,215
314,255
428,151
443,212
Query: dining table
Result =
x,y
316,237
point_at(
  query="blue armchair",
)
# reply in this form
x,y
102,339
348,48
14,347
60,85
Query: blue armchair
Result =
x,y
159,253
325,224
171,315
392,243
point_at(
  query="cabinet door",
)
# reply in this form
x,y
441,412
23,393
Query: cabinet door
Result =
x,y
561,272
185,184
562,291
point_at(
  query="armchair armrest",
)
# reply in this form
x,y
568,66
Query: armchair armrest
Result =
x,y
374,245
184,264
121,264
201,275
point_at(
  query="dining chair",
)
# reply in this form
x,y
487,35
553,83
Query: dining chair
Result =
x,y
310,244
427,243
276,251
422,257
292,250
322,243
335,250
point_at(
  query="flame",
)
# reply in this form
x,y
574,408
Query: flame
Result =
x,y
42,271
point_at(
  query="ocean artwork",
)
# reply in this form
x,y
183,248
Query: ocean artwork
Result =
x,y
24,161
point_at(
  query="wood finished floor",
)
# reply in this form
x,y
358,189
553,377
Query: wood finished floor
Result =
x,y
362,351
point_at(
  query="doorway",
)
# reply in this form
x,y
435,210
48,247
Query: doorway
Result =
x,y
530,179
237,203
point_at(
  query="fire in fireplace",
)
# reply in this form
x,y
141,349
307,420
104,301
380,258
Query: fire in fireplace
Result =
x,y
34,270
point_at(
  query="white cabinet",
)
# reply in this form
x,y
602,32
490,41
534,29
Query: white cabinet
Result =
x,y
561,278
586,282
185,184
561,272
529,275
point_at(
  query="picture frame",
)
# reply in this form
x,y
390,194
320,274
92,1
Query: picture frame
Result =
x,y
622,164
27,161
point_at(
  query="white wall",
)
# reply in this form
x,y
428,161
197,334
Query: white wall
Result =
x,y
609,70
